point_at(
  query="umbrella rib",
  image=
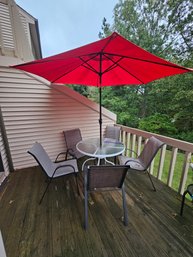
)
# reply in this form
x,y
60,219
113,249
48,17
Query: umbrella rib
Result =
x,y
115,64
130,73
149,61
87,65
64,74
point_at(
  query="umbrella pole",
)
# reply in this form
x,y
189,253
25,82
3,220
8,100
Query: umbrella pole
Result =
x,y
100,98
100,114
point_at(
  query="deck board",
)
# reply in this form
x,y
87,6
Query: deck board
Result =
x,y
55,228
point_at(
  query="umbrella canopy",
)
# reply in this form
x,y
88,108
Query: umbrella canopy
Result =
x,y
110,61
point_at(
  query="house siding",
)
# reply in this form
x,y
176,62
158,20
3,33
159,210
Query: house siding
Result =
x,y
19,38
34,111
5,171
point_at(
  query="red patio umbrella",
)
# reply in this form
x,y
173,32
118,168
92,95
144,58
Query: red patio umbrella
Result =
x,y
110,61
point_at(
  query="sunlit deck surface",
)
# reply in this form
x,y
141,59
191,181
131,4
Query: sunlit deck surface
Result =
x,y
55,228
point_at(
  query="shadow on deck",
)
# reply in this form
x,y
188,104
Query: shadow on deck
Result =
x,y
55,228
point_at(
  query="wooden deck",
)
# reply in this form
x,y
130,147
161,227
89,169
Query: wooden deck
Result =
x,y
55,228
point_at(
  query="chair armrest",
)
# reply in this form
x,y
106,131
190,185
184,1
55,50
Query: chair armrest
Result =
x,y
127,149
65,153
127,162
62,166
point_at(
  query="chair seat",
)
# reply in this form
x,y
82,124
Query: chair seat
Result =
x,y
65,170
75,153
134,163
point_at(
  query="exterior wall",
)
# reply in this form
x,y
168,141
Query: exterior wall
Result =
x,y
34,111
4,159
19,36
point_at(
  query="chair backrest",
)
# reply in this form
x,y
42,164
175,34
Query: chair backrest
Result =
x,y
42,158
72,137
112,132
149,151
105,177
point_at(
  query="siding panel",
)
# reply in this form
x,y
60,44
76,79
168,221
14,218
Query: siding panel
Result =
x,y
34,111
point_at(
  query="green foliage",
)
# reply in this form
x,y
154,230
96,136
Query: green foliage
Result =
x,y
164,28
159,124
83,90
186,136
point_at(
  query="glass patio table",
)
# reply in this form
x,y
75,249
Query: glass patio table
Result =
x,y
109,148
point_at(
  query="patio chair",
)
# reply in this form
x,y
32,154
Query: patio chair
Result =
x,y
112,132
72,137
52,169
104,178
143,161
189,191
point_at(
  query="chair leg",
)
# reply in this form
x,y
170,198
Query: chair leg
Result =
x,y
76,177
86,209
85,200
50,180
124,206
151,181
183,200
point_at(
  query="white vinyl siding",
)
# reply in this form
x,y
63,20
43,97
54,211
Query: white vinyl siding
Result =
x,y
6,27
15,38
25,27
33,111
4,159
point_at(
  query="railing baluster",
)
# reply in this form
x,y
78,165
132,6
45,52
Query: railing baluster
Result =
x,y
151,167
128,143
133,145
161,162
139,145
184,172
172,166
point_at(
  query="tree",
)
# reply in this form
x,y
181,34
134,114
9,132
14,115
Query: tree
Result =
x,y
164,28
158,123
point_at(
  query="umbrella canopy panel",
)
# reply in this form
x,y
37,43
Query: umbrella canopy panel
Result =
x,y
108,62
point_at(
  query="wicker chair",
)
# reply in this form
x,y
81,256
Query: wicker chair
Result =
x,y
104,178
52,169
143,161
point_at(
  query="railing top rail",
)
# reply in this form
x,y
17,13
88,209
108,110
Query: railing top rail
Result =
x,y
182,145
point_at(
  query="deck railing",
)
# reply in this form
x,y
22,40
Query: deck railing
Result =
x,y
165,163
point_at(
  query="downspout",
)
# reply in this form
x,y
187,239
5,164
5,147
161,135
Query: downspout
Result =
x,y
5,142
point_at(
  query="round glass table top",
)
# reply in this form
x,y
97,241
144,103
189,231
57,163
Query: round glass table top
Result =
x,y
109,147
